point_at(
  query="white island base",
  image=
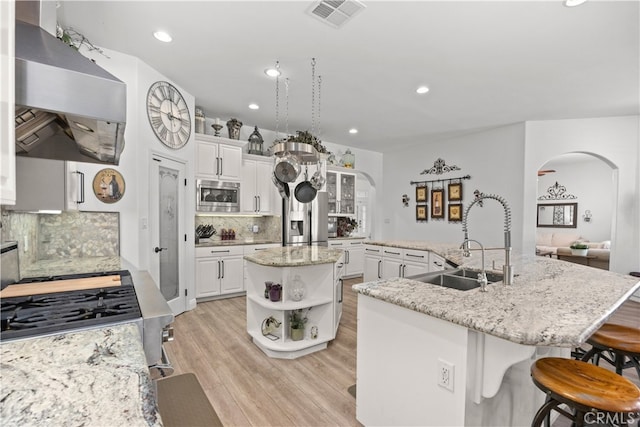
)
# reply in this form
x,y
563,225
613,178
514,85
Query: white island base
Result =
x,y
322,303
400,361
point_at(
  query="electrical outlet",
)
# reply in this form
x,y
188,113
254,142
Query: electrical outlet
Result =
x,y
445,374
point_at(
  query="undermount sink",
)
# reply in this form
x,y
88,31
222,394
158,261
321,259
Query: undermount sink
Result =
x,y
461,279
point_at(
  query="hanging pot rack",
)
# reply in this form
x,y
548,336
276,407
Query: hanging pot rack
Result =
x,y
305,153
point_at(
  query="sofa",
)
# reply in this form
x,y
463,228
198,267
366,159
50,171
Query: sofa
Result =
x,y
558,245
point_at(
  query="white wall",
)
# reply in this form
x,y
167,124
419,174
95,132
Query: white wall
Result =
x,y
591,181
615,139
140,142
493,158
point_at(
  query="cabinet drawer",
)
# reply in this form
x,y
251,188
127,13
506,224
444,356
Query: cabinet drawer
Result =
x,y
218,251
417,256
372,250
390,252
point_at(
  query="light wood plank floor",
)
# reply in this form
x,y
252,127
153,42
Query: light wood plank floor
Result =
x,y
247,388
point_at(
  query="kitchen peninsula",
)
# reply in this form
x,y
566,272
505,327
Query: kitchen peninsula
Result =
x,y
463,357
311,285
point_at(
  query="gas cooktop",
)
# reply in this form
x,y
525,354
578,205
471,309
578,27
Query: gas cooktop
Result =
x,y
46,314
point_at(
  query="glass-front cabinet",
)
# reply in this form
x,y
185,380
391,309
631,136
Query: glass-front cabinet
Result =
x,y
341,189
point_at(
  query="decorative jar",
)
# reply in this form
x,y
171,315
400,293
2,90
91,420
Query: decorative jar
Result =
x,y
296,289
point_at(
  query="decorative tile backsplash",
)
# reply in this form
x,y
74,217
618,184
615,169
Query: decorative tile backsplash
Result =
x,y
67,235
269,227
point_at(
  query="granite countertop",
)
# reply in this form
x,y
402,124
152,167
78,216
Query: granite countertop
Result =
x,y
70,266
238,242
551,302
92,377
294,256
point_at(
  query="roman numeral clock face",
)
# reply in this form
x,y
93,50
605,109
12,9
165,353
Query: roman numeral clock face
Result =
x,y
168,115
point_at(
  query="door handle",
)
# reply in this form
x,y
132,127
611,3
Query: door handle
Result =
x,y
222,269
379,265
400,270
259,204
81,189
220,158
219,269
347,253
157,249
341,290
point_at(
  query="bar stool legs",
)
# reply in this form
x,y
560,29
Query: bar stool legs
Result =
x,y
617,344
586,389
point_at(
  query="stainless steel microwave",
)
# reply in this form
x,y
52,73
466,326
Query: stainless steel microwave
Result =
x,y
217,196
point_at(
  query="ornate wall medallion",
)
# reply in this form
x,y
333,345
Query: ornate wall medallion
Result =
x,y
108,186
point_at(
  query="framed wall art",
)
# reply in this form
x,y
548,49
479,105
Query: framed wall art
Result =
x,y
421,194
437,203
455,212
455,191
421,212
108,185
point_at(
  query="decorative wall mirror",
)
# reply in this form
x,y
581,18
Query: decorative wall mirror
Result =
x,y
558,215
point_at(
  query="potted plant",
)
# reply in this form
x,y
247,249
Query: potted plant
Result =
x,y
346,226
297,321
579,249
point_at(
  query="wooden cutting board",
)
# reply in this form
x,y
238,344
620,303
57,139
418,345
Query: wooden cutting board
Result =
x,y
59,286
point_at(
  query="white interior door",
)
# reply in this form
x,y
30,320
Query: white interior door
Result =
x,y
167,217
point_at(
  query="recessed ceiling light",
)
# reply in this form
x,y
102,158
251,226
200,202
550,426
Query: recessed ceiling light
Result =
x,y
422,89
272,72
162,36
572,3
254,106
353,130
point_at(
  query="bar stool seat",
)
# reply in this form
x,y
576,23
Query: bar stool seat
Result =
x,y
619,342
583,387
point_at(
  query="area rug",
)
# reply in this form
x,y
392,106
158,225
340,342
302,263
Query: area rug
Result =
x,y
182,402
352,390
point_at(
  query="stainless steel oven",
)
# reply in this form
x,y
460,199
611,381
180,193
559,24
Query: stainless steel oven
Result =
x,y
217,196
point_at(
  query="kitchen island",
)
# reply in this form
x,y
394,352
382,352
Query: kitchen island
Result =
x,y
462,357
311,285
92,377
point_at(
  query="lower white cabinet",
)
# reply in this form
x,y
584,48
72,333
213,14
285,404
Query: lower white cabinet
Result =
x,y
353,255
219,270
436,262
384,262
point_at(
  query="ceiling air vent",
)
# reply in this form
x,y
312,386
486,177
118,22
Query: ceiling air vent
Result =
x,y
335,12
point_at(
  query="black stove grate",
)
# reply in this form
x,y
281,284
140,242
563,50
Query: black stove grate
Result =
x,y
62,311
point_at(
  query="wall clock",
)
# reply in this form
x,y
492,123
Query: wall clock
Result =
x,y
168,115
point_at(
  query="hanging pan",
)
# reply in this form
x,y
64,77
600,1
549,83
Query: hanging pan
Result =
x,y
283,187
287,168
305,191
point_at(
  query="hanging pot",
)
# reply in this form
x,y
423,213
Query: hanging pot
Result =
x,y
305,192
283,187
287,168
317,180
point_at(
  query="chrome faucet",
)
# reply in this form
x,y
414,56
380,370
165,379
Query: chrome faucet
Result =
x,y
482,276
507,269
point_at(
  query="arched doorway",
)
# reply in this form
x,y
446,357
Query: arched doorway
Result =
x,y
586,182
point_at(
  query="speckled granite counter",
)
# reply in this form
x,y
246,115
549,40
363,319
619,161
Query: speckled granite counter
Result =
x,y
220,242
291,256
70,266
551,303
97,377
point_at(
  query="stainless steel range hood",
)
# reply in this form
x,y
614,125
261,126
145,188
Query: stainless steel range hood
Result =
x,y
67,107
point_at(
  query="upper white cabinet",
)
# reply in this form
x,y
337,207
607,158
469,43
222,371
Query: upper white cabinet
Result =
x,y
7,101
218,159
341,192
43,184
257,190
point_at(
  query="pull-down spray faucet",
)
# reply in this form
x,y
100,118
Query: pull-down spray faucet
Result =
x,y
507,269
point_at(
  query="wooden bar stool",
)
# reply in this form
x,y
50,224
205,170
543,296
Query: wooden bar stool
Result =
x,y
615,344
586,389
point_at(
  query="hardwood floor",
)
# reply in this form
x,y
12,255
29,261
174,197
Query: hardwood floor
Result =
x,y
247,388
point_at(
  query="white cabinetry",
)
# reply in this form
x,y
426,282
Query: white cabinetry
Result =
x,y
7,104
341,192
218,159
219,271
384,262
353,255
43,184
437,263
257,189
322,304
